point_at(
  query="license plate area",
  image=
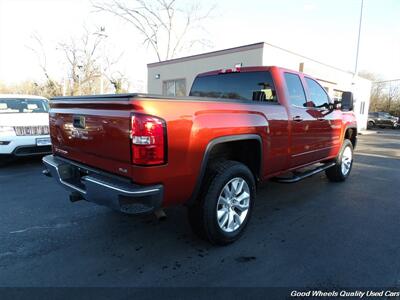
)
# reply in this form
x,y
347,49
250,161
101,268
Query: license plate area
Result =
x,y
43,141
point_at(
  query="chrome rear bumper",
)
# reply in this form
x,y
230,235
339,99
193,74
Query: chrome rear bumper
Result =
x,y
102,188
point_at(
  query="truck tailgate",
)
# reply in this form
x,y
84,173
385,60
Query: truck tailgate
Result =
x,y
93,131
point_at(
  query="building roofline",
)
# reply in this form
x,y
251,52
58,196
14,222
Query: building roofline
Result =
x,y
306,57
207,54
238,49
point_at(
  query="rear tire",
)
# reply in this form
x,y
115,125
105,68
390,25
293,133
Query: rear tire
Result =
x,y
370,125
225,204
344,162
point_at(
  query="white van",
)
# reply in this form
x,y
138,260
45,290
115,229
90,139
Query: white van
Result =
x,y
24,125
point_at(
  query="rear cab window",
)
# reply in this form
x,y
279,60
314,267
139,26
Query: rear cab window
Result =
x,y
248,86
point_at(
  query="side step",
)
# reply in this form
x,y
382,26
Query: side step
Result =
x,y
300,176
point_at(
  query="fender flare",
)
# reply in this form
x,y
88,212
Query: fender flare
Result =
x,y
351,127
210,146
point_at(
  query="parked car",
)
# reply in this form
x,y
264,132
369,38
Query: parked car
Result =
x,y
239,127
382,120
24,125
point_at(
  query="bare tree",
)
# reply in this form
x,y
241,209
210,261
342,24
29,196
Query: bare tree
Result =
x,y
118,81
82,56
114,74
51,87
385,94
392,97
165,26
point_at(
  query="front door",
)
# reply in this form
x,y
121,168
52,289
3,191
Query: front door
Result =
x,y
305,131
327,121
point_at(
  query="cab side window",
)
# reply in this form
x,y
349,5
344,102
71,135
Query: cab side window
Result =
x,y
297,96
318,95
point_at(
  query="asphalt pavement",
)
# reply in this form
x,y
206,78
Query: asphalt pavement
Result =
x,y
312,233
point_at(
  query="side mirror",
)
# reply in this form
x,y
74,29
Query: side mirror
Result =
x,y
336,105
347,101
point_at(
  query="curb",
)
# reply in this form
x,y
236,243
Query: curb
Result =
x,y
367,132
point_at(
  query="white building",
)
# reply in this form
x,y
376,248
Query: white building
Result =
x,y
175,76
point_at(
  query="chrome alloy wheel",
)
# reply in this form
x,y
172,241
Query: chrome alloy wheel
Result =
x,y
347,158
233,204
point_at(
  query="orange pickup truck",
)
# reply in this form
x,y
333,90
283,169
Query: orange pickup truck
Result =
x,y
137,153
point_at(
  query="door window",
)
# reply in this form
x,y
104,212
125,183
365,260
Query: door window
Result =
x,y
295,90
318,95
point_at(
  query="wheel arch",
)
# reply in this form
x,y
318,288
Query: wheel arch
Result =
x,y
350,133
225,141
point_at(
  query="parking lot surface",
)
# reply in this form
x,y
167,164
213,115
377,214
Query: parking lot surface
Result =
x,y
312,233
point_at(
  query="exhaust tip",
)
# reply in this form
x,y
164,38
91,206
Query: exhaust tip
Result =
x,y
160,214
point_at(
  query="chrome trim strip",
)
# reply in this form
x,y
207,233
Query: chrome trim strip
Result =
x,y
31,130
59,177
47,162
316,150
72,186
96,181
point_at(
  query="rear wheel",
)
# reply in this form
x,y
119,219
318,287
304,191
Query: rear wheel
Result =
x,y
344,162
370,124
225,203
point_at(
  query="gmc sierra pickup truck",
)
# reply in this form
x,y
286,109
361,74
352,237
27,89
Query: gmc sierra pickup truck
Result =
x,y
138,153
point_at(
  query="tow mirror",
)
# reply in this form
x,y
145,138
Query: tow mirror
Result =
x,y
347,101
336,105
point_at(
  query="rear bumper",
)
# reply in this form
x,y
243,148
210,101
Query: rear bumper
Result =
x,y
103,188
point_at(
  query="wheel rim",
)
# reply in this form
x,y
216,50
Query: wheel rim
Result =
x,y
347,158
233,204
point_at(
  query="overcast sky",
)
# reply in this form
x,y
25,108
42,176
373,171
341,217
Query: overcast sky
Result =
x,y
325,30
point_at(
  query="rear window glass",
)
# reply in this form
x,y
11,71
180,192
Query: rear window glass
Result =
x,y
252,86
18,105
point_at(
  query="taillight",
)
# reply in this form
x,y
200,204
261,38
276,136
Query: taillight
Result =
x,y
148,135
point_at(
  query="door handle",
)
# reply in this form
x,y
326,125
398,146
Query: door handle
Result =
x,y
297,119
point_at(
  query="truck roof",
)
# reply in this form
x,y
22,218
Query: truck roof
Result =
x,y
246,69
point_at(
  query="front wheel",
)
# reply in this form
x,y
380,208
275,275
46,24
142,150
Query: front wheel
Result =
x,y
225,203
344,162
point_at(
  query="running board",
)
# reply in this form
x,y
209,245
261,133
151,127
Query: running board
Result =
x,y
301,176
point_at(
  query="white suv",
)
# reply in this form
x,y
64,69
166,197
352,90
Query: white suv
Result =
x,y
24,125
